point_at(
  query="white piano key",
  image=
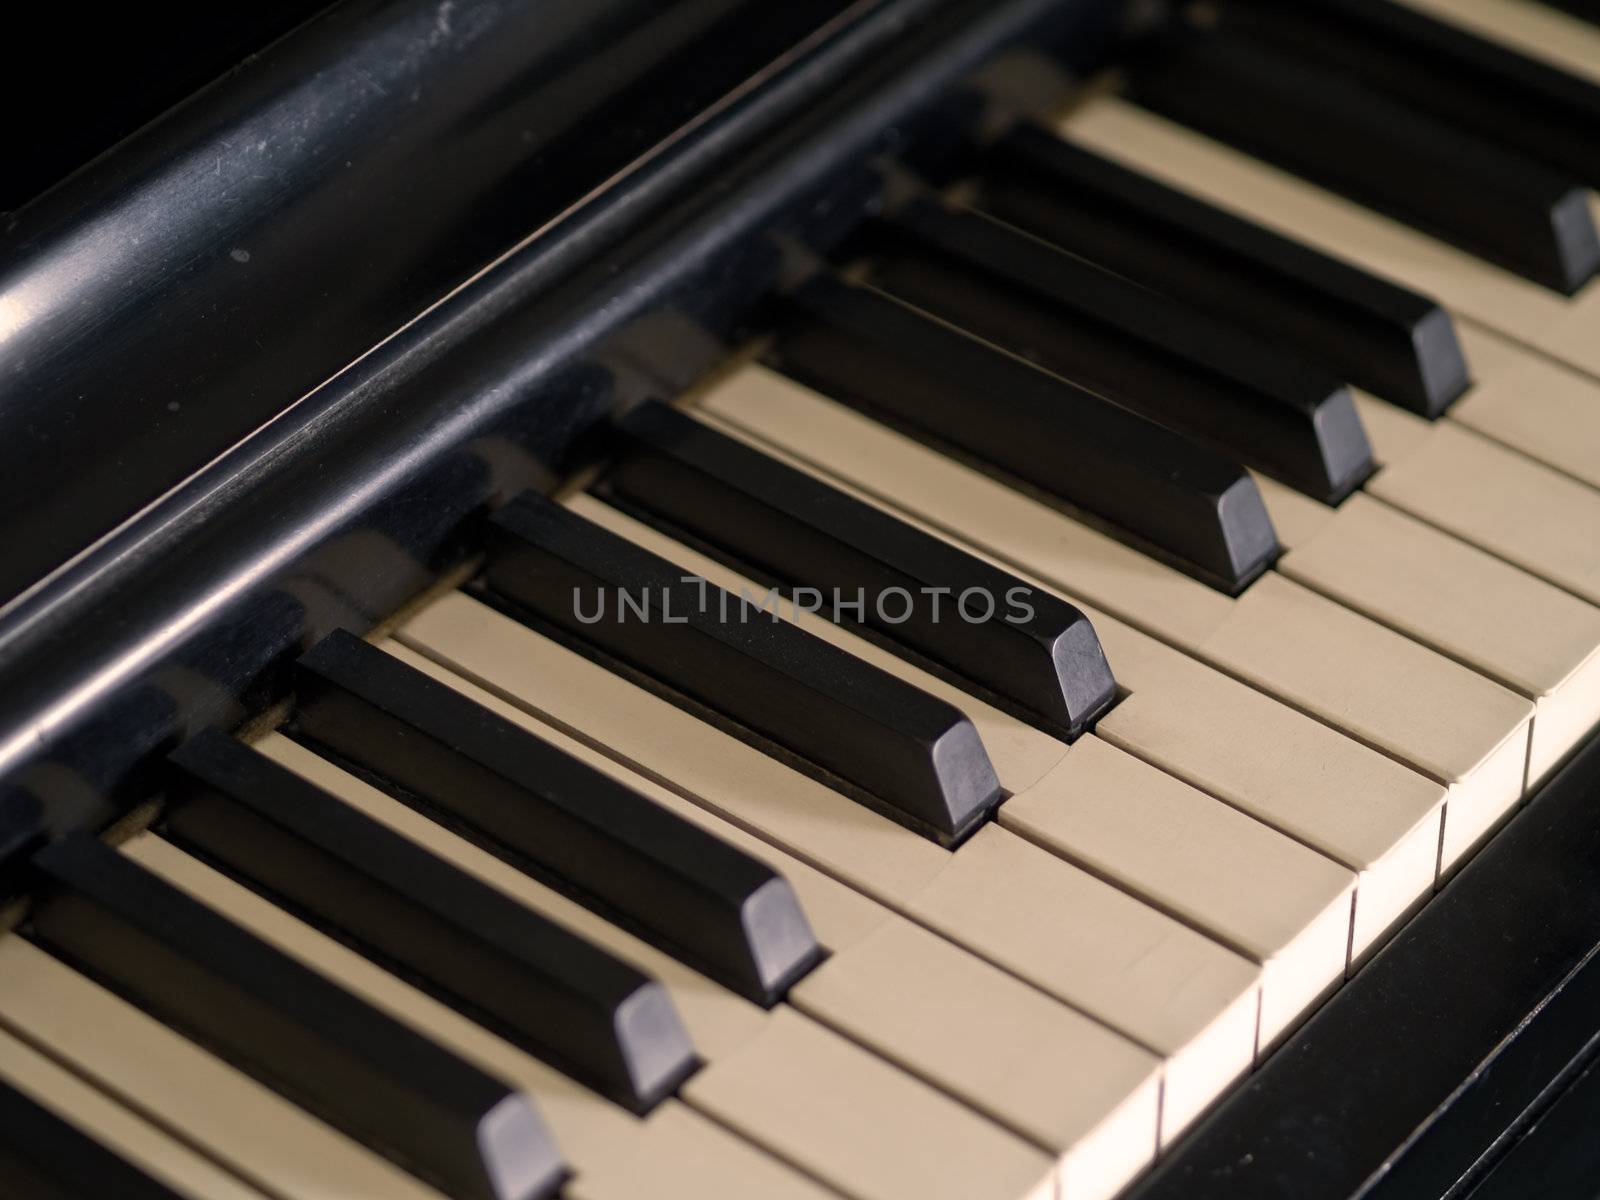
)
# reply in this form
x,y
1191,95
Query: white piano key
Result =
x,y
1100,949
936,1137
1274,900
1357,806
141,1063
1029,1062
1501,501
1532,404
1270,898
1534,638
1467,733
1559,325
1453,725
928,1150
606,1146
1186,997
1297,518
117,1128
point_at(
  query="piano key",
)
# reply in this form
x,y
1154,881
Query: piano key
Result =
x,y
22,831
718,908
1268,898
1063,929
1438,68
1457,727
1455,598
1488,200
1129,966
380,1082
1000,1046
1381,336
1022,1058
540,987
1297,518
1358,807
717,1018
907,752
61,1139
1021,753
1441,1045
612,1150
794,1053
1185,502
929,1145
1533,638
230,1118
1469,287
1175,364
788,526
1537,407
1498,500
1273,900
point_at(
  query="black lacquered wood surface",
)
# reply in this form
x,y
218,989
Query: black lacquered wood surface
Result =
x,y
350,501
1402,1085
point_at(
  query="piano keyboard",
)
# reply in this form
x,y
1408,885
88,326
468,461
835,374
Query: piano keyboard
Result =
x,y
683,848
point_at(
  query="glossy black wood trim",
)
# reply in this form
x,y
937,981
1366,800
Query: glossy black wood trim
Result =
x,y
334,514
233,255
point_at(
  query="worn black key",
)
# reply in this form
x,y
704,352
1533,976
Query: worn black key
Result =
x,y
281,1022
43,1157
1020,643
713,906
1496,203
507,967
1527,106
1173,363
882,740
905,752
1176,498
1376,334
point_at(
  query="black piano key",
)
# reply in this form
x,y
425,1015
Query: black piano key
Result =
x,y
791,527
22,831
1175,364
701,899
43,1157
1178,499
543,988
281,1022
913,756
1378,335
1490,90
1493,202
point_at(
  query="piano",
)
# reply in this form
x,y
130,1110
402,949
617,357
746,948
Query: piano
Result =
x,y
845,600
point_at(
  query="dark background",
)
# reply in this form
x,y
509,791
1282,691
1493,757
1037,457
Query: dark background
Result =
x,y
76,79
